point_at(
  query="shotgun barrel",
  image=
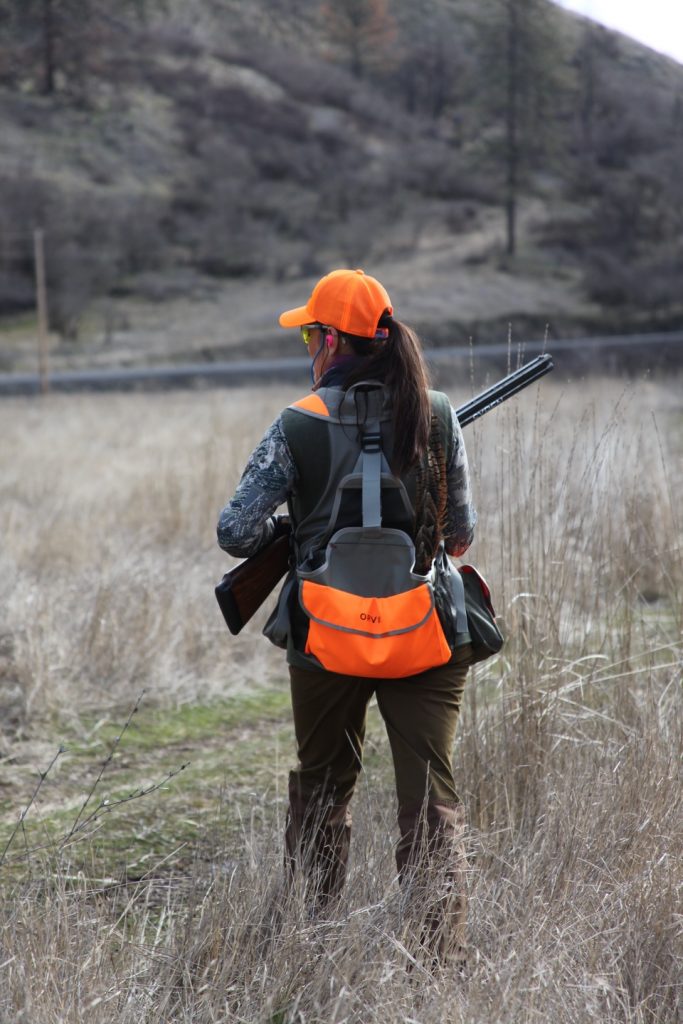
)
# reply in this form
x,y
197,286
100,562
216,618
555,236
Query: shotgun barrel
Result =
x,y
504,389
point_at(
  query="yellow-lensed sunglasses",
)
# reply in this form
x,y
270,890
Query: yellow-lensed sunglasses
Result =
x,y
307,332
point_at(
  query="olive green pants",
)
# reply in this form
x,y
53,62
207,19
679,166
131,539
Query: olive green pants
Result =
x,y
421,714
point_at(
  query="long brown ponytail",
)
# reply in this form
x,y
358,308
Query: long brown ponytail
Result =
x,y
399,363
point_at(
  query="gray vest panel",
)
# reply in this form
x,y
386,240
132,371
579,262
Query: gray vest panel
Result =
x,y
325,450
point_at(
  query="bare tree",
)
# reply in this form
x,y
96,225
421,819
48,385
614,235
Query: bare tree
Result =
x,y
432,66
49,40
364,29
522,81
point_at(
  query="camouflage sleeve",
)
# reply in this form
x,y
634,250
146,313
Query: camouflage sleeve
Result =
x,y
246,523
461,516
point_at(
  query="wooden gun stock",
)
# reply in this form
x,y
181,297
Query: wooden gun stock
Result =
x,y
244,589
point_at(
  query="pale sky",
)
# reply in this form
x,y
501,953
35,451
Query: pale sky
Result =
x,y
657,23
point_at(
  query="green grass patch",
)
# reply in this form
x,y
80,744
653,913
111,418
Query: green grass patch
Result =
x,y
177,783
153,729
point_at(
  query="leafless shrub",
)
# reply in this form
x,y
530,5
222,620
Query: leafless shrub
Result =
x,y
91,245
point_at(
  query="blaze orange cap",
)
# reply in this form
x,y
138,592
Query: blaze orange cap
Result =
x,y
349,300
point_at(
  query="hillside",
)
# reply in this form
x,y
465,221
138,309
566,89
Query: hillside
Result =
x,y
197,169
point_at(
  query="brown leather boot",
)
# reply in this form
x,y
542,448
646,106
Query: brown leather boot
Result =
x,y
432,865
317,840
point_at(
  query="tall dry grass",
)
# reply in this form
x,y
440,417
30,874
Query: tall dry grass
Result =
x,y
109,508
568,754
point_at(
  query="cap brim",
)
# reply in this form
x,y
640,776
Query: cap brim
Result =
x,y
295,317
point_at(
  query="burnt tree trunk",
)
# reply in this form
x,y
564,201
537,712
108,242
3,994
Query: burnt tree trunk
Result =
x,y
511,135
48,44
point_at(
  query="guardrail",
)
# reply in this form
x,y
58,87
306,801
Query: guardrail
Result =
x,y
240,371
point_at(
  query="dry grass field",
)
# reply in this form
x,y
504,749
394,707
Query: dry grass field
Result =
x,y
143,882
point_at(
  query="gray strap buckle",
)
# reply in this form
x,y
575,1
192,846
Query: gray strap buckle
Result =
x,y
371,447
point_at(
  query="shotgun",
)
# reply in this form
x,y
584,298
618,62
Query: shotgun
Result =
x,y
243,590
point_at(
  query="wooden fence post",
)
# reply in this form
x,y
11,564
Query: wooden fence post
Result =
x,y
41,302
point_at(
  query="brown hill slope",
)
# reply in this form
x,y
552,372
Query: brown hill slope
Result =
x,y
201,168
